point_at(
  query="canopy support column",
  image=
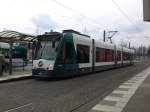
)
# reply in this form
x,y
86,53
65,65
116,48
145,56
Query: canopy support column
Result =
x,y
10,56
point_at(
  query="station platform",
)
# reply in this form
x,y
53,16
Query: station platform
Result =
x,y
17,74
131,96
140,102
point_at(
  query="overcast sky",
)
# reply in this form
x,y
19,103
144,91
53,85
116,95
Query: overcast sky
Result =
x,y
86,16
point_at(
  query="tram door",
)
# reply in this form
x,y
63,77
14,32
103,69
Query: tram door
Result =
x,y
67,58
68,53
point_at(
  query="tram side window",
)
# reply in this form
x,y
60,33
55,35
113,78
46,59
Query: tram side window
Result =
x,y
68,53
112,55
118,55
100,54
83,53
126,56
131,56
109,55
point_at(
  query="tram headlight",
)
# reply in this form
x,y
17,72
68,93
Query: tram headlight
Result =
x,y
40,64
50,67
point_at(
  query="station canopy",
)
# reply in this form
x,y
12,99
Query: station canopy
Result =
x,y
146,10
9,35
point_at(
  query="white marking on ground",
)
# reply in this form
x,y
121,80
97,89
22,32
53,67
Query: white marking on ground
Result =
x,y
106,108
127,89
19,107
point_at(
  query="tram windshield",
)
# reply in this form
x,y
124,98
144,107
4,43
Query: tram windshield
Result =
x,y
46,50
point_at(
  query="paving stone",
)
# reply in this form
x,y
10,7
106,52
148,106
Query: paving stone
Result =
x,y
123,89
109,103
116,95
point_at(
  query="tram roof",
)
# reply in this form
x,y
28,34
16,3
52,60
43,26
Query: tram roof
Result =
x,y
75,32
50,34
8,35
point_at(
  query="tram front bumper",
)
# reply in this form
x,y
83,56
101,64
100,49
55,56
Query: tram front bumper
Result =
x,y
42,73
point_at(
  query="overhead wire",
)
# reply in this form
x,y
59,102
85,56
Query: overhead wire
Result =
x,y
125,15
77,12
96,23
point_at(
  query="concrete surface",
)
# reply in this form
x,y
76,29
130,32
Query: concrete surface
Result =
x,y
140,102
77,94
118,99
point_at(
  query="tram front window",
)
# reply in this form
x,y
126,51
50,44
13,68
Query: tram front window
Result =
x,y
47,50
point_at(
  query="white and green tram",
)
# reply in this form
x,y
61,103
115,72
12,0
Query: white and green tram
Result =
x,y
71,53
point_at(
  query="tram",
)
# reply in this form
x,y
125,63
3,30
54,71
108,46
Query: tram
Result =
x,y
71,53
